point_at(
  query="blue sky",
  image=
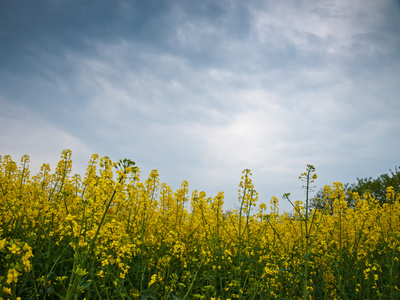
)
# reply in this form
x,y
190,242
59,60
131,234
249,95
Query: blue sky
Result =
x,y
201,90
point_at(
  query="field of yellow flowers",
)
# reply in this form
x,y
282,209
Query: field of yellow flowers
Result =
x,y
109,235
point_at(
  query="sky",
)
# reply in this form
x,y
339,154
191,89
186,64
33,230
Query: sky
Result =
x,y
202,90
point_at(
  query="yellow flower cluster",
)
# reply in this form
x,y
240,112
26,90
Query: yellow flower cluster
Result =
x,y
15,255
110,235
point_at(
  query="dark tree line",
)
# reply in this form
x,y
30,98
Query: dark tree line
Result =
x,y
375,187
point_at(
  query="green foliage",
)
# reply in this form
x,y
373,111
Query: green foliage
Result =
x,y
376,188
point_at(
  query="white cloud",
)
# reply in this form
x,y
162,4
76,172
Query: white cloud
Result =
x,y
24,132
204,97
326,26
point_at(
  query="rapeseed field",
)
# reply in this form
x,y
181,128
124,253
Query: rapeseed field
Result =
x,y
110,235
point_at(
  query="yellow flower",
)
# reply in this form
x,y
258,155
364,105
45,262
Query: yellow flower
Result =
x,y
6,290
12,276
2,243
153,279
101,273
14,249
105,263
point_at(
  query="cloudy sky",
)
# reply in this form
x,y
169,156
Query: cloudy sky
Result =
x,y
201,90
